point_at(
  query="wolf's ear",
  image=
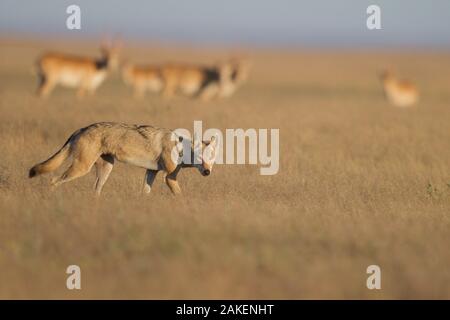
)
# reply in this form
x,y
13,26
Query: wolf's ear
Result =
x,y
214,139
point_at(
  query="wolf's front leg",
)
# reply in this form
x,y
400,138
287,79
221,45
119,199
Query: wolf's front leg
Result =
x,y
171,170
149,178
171,180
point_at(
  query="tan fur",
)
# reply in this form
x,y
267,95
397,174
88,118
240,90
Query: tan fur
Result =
x,y
84,73
100,144
399,93
142,78
103,143
202,82
189,80
237,74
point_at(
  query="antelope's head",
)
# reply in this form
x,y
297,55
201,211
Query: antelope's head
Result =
x,y
111,54
387,75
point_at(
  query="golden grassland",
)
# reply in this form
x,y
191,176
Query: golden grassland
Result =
x,y
360,183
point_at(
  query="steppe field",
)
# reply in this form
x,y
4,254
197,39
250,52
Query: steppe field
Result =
x,y
360,183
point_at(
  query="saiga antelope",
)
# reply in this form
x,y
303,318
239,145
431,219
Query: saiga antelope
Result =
x,y
84,73
204,82
399,93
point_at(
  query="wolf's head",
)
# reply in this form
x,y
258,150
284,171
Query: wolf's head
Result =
x,y
204,154
195,153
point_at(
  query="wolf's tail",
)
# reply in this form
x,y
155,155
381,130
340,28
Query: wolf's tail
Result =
x,y
55,161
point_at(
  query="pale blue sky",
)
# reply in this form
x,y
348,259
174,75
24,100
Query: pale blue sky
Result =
x,y
415,23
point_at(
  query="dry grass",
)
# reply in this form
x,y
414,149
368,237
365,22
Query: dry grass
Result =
x,y
360,183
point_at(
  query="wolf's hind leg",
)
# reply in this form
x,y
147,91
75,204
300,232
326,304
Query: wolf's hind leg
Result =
x,y
103,166
149,178
79,167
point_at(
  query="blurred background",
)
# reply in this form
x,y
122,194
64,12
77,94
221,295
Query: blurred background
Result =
x,y
291,23
360,182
